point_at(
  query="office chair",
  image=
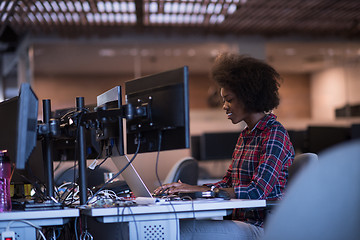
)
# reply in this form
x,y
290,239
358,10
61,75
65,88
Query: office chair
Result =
x,y
323,201
301,161
186,170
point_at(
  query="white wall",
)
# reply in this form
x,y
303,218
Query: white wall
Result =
x,y
333,88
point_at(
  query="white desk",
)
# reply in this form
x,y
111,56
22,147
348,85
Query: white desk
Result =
x,y
39,218
163,220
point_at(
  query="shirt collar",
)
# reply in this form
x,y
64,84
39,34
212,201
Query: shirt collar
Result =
x,y
261,125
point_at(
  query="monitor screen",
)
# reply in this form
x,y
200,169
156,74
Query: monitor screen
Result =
x,y
18,125
218,145
166,100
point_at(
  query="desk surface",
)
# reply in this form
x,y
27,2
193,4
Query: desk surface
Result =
x,y
175,209
39,215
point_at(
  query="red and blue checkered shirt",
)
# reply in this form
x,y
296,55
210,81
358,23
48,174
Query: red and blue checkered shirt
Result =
x,y
259,167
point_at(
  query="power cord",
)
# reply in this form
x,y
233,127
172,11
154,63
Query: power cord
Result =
x,y
117,174
157,158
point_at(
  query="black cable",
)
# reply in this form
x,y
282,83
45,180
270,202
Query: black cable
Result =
x,y
117,174
75,153
157,158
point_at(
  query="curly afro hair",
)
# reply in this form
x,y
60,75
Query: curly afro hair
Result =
x,y
253,81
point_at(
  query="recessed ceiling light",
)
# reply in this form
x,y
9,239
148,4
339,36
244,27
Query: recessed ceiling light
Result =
x,y
290,51
107,52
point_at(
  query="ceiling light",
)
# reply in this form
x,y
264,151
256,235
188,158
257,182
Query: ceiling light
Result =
x,y
61,17
116,7
47,17
197,8
182,8
210,8
31,17
54,17
97,17
78,6
167,7
218,8
118,18
4,17
108,7
104,17
39,6
166,18
100,6
63,6
33,8
89,17
189,7
290,51
132,18
68,17
175,7
131,7
191,52
70,6
213,19
47,6
2,5
153,7
55,6
76,17
9,6
86,6
124,7
232,8
193,19
220,18
39,17
106,52
187,18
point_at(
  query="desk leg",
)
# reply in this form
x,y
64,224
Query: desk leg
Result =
x,y
155,230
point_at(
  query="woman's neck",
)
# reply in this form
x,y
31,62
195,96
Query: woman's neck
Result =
x,y
253,119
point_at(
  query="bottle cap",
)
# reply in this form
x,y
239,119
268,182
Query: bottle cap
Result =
x,y
4,156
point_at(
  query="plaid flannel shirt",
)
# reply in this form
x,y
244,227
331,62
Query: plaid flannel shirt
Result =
x,y
259,167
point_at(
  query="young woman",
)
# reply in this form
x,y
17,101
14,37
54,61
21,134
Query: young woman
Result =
x,y
262,155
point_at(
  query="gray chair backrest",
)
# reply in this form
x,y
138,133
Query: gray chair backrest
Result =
x,y
186,170
300,162
323,201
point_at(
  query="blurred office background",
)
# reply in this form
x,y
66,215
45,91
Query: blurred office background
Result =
x,y
82,48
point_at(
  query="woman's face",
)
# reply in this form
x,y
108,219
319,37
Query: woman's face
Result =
x,y
234,108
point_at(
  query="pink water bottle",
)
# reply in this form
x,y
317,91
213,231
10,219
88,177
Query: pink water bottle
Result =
x,y
5,175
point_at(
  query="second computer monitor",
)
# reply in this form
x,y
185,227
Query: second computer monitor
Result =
x,y
166,100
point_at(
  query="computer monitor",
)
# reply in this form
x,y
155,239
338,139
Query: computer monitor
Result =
x,y
18,124
218,145
166,100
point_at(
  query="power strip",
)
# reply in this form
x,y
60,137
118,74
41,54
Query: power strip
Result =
x,y
8,235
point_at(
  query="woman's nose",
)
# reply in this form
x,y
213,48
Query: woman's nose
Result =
x,y
225,106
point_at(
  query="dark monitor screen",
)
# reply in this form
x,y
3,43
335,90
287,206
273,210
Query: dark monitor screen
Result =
x,y
219,145
8,119
167,98
320,138
18,124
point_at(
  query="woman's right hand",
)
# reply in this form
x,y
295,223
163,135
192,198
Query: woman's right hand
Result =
x,y
179,187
